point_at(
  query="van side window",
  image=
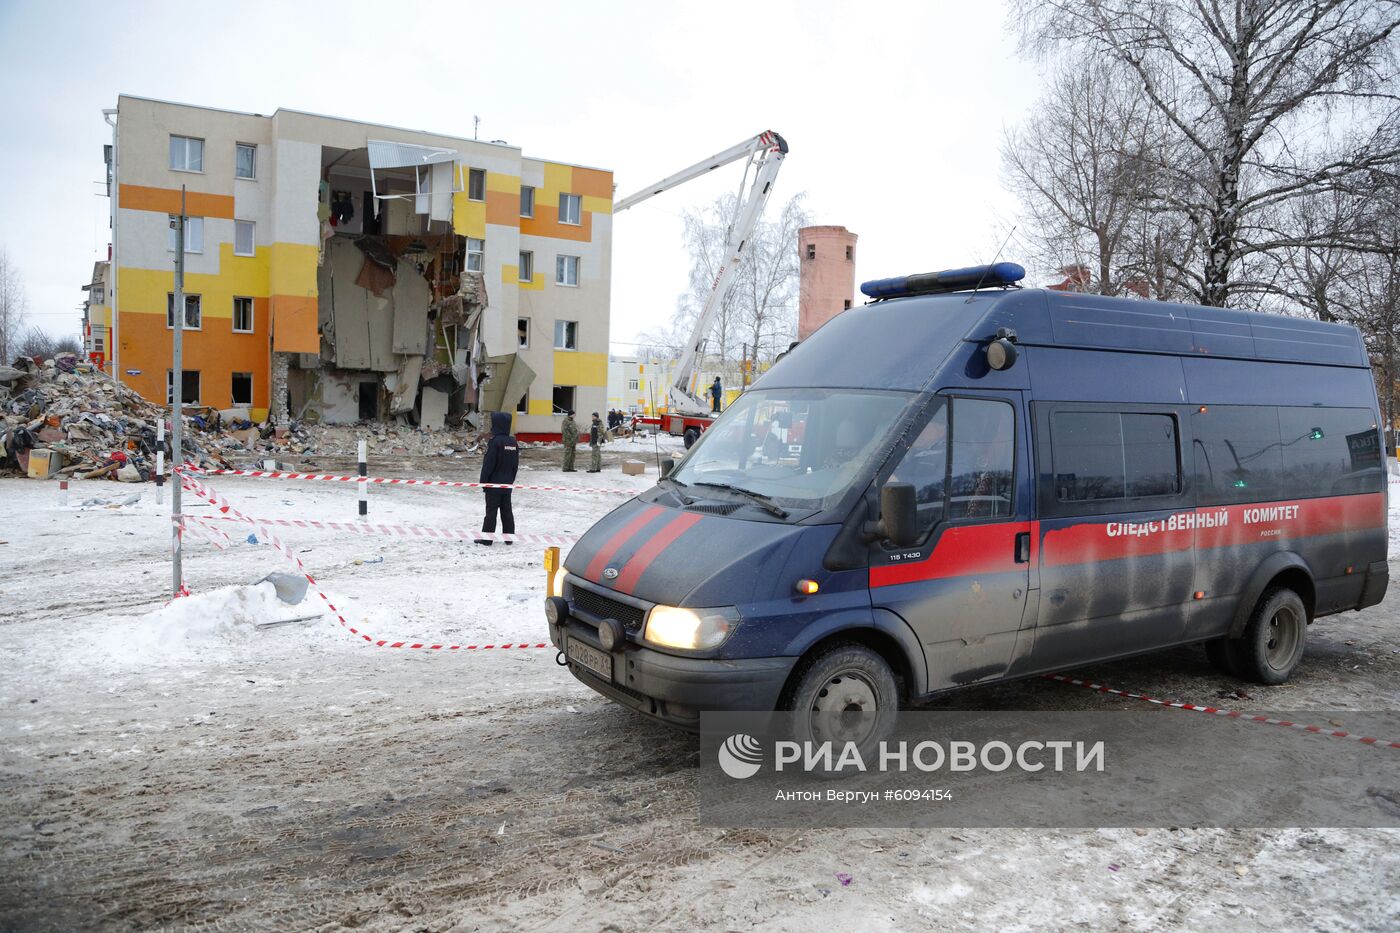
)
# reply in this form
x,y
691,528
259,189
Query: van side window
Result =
x,y
1101,455
1239,454
1329,452
984,454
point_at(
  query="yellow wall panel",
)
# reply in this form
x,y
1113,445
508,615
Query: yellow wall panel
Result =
x,y
510,275
597,205
572,368
541,406
468,216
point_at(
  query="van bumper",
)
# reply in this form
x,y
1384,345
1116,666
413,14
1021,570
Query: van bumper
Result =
x,y
676,689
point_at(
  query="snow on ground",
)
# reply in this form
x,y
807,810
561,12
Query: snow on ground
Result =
x,y
172,764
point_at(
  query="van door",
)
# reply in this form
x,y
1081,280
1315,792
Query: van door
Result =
x,y
1117,530
963,588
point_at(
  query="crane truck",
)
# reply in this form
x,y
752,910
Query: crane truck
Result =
x,y
687,414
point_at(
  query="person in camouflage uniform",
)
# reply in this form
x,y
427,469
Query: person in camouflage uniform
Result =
x,y
570,432
595,443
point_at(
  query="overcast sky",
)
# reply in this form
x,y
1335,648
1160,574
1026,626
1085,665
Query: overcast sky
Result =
x,y
894,111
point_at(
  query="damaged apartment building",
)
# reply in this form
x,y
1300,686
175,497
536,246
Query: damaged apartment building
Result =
x,y
339,271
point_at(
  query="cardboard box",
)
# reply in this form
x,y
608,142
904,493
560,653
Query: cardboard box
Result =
x,y
633,467
44,463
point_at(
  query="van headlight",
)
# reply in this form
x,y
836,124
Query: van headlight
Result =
x,y
691,629
557,589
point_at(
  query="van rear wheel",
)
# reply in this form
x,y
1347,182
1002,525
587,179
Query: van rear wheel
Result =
x,y
1273,640
846,693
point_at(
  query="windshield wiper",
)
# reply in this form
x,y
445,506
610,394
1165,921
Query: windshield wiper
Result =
x,y
758,498
685,500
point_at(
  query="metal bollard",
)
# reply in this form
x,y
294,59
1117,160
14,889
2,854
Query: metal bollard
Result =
x,y
160,462
63,493
363,484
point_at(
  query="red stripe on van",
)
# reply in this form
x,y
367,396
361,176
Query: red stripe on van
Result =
x,y
1117,538
964,550
649,551
960,551
615,543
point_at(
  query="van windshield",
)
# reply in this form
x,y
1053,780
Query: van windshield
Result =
x,y
801,448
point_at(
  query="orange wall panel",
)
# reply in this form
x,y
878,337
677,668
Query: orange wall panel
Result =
x,y
546,223
503,207
167,201
592,181
214,351
294,320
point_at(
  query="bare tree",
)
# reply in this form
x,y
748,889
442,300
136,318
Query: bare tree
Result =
x,y
1244,85
1082,168
760,310
12,307
768,283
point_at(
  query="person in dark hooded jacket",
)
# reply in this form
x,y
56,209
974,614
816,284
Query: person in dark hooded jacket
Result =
x,y
499,466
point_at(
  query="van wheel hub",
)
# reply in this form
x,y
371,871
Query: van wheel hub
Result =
x,y
844,709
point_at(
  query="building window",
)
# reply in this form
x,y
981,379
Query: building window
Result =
x,y
527,201
563,399
476,184
522,332
194,234
850,253
566,335
811,251
189,387
846,305
186,154
242,315
192,311
634,385
570,209
566,270
241,391
476,255
522,407
243,238
527,266
245,160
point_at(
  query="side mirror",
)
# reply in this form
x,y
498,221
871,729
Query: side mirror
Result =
x,y
899,513
667,465
899,516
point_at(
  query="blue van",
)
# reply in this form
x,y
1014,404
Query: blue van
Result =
x,y
965,481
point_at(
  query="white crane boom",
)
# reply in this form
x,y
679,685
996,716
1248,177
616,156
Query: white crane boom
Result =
x,y
765,153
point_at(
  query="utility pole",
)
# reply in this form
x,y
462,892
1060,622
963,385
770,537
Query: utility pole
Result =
x,y
177,401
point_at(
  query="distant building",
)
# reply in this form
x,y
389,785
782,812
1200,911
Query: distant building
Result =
x,y
97,315
391,271
828,276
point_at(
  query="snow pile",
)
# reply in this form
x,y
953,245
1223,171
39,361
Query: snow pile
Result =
x,y
215,621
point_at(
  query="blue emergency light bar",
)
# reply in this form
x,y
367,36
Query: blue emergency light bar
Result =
x,y
951,280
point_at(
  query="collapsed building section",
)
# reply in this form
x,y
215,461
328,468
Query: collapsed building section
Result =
x,y
402,298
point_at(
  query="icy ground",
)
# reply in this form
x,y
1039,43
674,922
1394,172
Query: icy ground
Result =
x,y
177,765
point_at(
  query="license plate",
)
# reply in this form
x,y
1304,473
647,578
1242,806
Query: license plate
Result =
x,y
598,662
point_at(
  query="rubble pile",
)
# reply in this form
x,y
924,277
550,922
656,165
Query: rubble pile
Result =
x,y
62,418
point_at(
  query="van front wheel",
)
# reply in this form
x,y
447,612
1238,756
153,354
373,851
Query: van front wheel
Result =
x,y
1273,640
847,693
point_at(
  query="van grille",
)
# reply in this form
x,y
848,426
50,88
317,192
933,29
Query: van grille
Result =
x,y
601,607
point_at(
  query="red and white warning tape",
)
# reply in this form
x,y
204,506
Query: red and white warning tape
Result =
x,y
386,481
408,531
1229,714
197,488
